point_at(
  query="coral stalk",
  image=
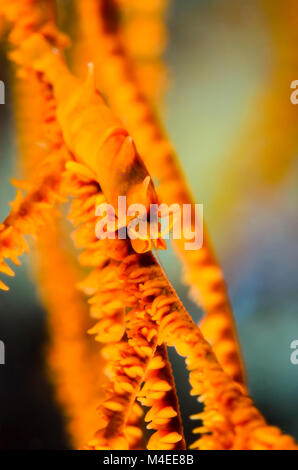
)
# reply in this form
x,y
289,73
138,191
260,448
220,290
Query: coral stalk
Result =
x,y
230,419
202,272
70,350
75,363
164,414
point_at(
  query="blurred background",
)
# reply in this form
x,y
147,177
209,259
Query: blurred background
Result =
x,y
228,112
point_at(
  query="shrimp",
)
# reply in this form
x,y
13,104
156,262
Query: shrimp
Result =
x,y
94,136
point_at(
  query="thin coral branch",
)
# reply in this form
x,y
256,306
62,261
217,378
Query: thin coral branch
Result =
x,y
27,216
164,414
75,363
77,386
127,360
202,272
230,419
34,210
144,21
107,305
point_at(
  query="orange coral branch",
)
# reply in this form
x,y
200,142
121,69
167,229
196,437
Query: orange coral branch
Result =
x,y
77,386
73,402
164,414
27,216
128,362
76,366
230,416
108,307
33,211
144,38
202,271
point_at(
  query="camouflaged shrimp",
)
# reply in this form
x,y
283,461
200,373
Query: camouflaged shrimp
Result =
x,y
96,139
